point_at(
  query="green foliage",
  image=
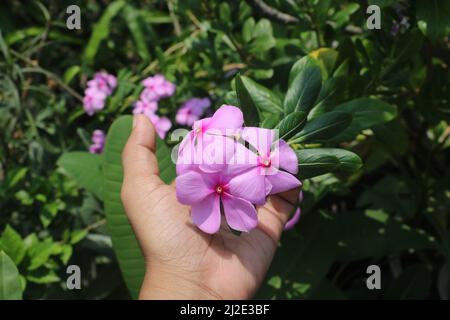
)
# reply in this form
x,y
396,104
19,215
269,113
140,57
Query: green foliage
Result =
x,y
365,110
10,288
124,241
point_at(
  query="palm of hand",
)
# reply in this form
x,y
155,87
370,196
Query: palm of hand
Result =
x,y
222,265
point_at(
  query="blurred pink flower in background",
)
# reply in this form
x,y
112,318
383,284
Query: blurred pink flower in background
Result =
x,y
161,124
157,87
98,89
191,110
98,141
145,107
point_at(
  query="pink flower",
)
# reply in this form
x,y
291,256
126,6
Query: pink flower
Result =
x,y
207,192
98,89
209,131
145,107
157,87
98,139
191,110
264,166
161,124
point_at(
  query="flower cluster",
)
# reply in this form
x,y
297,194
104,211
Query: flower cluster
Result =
x,y
225,167
98,141
191,110
98,89
155,88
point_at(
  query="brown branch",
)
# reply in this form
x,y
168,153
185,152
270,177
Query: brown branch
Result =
x,y
272,13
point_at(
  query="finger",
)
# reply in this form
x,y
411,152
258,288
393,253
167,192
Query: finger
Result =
x,y
273,216
138,157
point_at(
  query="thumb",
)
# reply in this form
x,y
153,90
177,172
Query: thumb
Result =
x,y
138,157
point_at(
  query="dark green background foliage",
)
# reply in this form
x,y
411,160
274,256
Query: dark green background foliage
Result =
x,y
366,111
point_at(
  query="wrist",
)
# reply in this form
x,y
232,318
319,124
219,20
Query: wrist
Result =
x,y
166,284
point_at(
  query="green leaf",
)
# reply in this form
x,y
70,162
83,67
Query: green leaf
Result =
x,y
348,161
366,113
315,163
39,253
300,66
132,17
85,169
167,171
124,242
435,14
324,127
50,210
292,124
43,276
13,244
101,30
246,103
304,90
10,286
263,98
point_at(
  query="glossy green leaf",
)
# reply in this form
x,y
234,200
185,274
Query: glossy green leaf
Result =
x,y
246,103
124,242
366,113
291,124
303,91
348,161
324,127
263,98
85,169
10,286
313,163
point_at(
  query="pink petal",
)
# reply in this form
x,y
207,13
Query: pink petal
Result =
x,y
293,221
283,181
192,187
259,138
249,186
227,117
240,214
206,214
287,159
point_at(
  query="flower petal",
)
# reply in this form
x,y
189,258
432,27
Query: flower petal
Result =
x,y
250,186
206,214
293,221
285,157
240,214
283,181
193,187
259,138
227,117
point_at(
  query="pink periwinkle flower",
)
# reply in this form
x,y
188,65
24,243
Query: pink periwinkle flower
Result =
x,y
230,174
191,110
98,89
157,87
207,192
98,142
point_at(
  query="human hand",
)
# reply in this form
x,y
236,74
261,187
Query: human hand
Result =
x,y
182,262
